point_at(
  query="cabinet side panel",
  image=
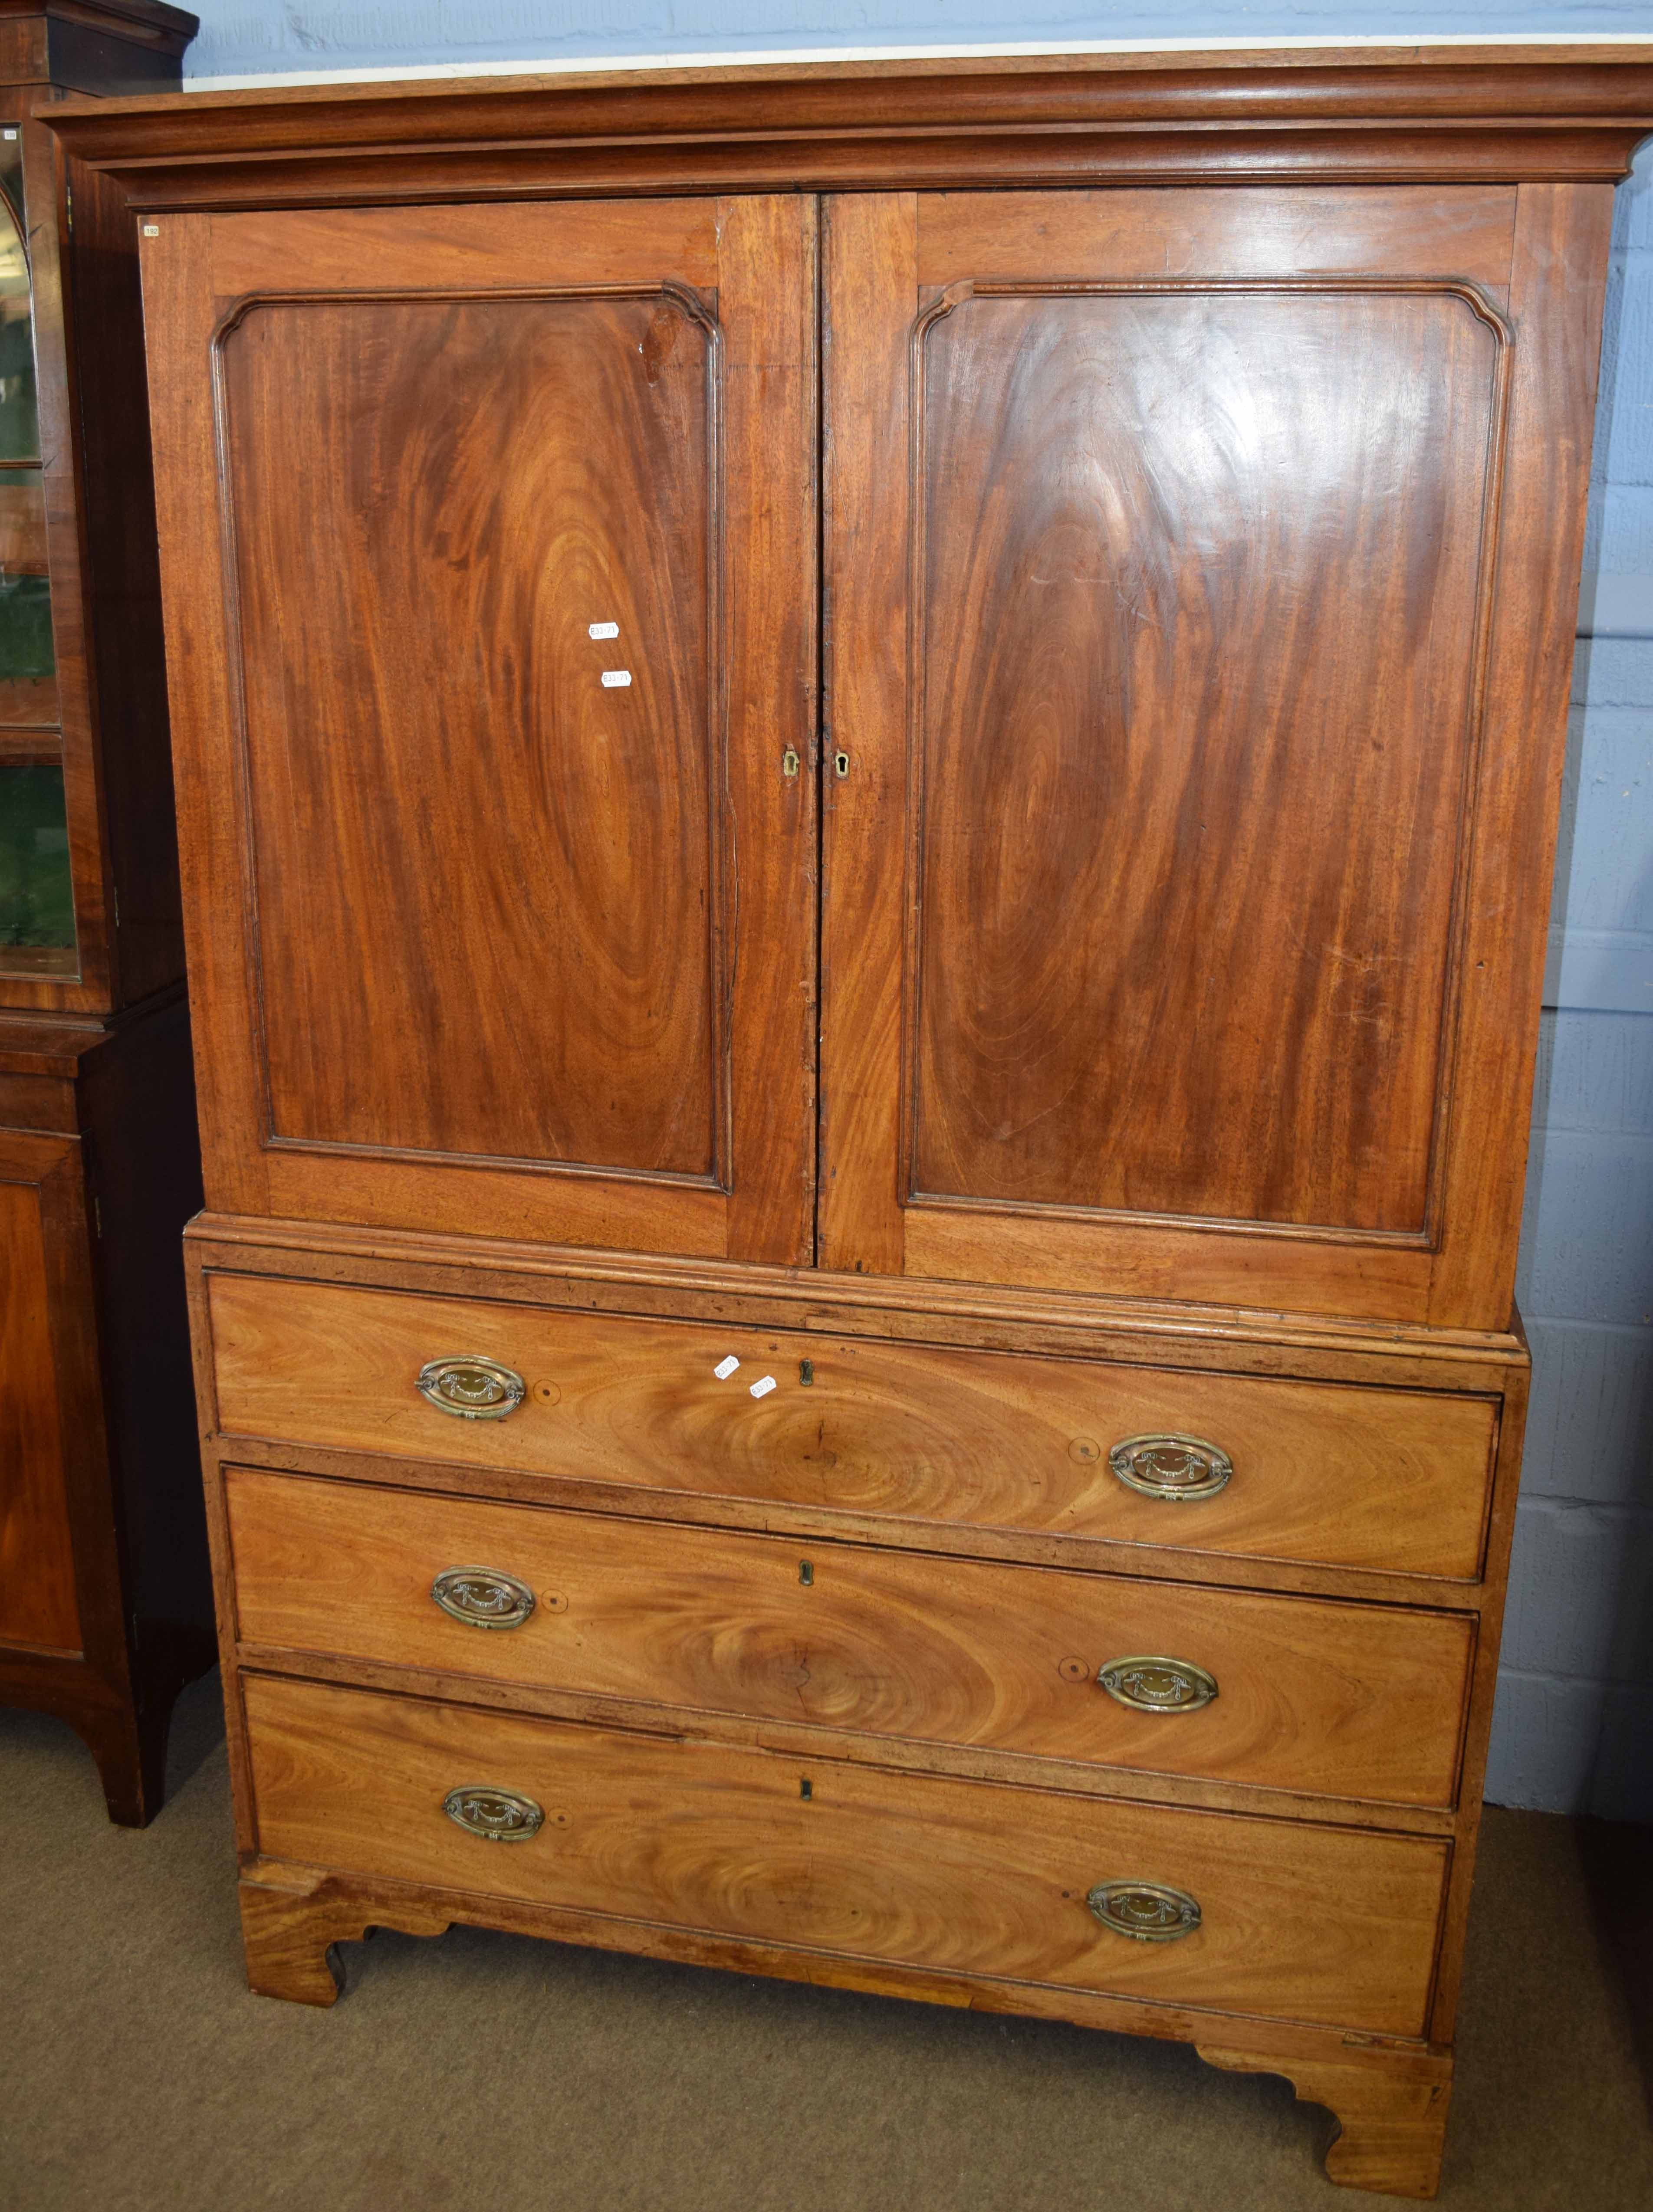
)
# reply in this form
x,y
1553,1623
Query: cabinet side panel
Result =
x,y
145,1169
1556,298
123,585
180,312
1478,1720
37,1566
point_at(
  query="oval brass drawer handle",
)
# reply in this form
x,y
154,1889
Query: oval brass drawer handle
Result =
x,y
498,1816
1146,1911
1152,1685
475,1388
1170,1465
483,1597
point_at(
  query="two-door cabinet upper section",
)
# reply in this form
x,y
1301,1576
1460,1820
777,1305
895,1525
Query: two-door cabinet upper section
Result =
x,y
1198,502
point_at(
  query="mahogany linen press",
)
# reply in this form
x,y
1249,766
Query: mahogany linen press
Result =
x,y
868,759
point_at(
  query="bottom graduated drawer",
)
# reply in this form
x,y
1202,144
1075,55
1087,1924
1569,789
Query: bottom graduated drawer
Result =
x,y
1274,1919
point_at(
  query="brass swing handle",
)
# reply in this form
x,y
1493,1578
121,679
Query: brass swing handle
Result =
x,y
483,1597
497,1816
1146,1911
472,1386
1148,1683
1170,1465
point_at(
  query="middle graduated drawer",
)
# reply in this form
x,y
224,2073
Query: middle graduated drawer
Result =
x,y
1301,1694
1324,1474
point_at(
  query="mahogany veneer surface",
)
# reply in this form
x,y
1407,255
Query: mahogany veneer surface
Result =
x,y
1166,938
577,431
1121,850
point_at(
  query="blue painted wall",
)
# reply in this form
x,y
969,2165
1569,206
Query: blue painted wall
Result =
x,y
1573,1729
246,35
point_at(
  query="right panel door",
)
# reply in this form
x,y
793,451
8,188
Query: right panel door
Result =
x,y
1188,813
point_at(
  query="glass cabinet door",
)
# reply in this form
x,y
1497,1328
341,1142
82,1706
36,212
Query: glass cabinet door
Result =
x,y
37,906
20,432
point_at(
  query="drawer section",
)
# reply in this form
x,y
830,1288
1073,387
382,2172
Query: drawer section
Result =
x,y
1295,1922
1353,1701
1324,1474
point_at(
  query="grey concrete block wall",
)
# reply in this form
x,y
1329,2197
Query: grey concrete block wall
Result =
x,y
1573,1729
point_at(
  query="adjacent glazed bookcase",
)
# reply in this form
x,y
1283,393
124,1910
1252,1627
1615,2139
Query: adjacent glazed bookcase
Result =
x,y
104,1609
37,889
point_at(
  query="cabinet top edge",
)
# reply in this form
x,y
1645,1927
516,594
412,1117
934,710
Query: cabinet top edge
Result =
x,y
1512,90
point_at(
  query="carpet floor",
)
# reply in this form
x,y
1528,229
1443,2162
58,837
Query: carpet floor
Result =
x,y
480,2070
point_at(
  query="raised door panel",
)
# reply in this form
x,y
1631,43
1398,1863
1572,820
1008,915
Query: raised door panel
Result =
x,y
435,735
38,1608
1182,931
1175,781
513,621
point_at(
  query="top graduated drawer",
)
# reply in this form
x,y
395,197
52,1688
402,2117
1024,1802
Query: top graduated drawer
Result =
x,y
1328,1474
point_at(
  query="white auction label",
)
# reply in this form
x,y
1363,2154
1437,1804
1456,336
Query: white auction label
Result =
x,y
616,679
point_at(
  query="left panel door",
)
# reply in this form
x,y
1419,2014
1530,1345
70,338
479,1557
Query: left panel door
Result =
x,y
489,550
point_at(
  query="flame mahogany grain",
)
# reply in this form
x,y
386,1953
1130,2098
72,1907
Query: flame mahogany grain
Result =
x,y
1198,593
489,478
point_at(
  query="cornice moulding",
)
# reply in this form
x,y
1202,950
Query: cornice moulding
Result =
x,y
1510,112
